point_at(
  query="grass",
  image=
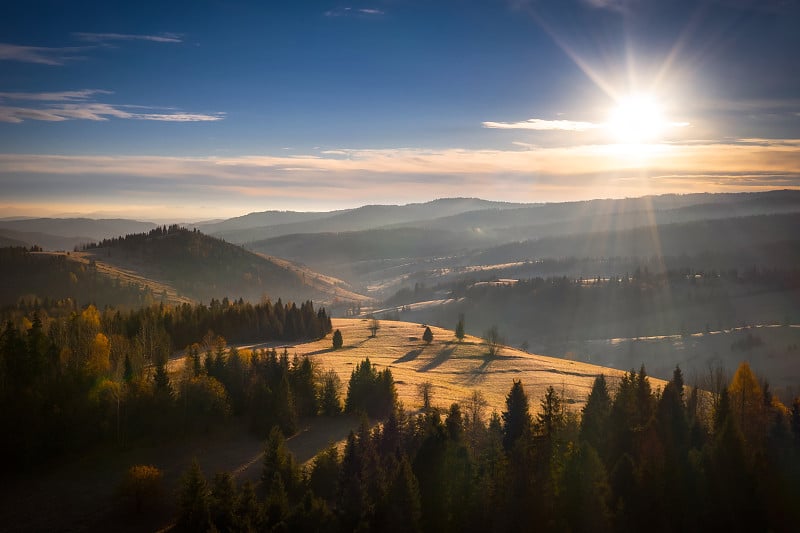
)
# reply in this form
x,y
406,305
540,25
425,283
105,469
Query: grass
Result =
x,y
454,368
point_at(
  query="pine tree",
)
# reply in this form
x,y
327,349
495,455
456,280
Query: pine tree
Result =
x,y
551,417
585,493
404,509
428,335
249,512
278,460
277,507
194,500
324,474
330,403
127,373
460,327
223,502
516,417
338,342
596,412
163,385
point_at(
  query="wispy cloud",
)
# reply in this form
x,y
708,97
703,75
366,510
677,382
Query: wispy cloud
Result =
x,y
59,55
544,125
42,55
107,37
78,105
353,11
61,96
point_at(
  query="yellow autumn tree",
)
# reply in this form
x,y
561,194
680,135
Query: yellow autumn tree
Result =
x,y
747,406
91,317
142,487
98,362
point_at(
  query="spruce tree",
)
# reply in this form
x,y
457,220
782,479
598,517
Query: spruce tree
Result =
x,y
330,403
223,502
338,342
428,335
277,507
596,412
404,509
516,417
194,500
278,460
460,327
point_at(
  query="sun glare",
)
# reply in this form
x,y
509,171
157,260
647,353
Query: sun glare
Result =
x,y
637,119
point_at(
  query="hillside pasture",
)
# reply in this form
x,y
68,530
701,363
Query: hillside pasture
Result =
x,y
453,368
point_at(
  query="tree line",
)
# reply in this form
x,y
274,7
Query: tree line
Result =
x,y
635,459
94,378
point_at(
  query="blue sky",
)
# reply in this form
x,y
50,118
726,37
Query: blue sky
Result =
x,y
210,109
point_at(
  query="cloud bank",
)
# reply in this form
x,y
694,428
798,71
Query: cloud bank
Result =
x,y
356,176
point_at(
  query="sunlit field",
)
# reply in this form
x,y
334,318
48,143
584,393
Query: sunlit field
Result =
x,y
454,368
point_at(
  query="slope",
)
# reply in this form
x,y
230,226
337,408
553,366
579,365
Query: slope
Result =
x,y
455,369
53,277
202,267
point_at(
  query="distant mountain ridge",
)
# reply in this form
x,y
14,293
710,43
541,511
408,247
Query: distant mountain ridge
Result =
x,y
97,229
67,233
362,218
503,220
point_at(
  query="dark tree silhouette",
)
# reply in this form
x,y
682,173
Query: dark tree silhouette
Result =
x,y
194,500
428,335
516,417
338,342
460,327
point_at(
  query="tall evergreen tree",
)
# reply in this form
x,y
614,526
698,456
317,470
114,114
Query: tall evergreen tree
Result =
x,y
460,327
516,417
596,412
278,460
194,500
585,492
223,502
338,342
404,508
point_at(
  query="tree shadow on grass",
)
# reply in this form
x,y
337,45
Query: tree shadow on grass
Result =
x,y
322,351
478,374
443,355
409,356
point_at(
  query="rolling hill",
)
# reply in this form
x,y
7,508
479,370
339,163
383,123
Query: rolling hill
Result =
x,y
201,268
455,369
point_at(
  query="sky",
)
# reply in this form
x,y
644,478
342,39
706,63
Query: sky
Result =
x,y
211,109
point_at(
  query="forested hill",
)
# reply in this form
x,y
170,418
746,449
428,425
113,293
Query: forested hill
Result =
x,y
203,267
62,280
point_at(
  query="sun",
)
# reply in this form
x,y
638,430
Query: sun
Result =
x,y
637,119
